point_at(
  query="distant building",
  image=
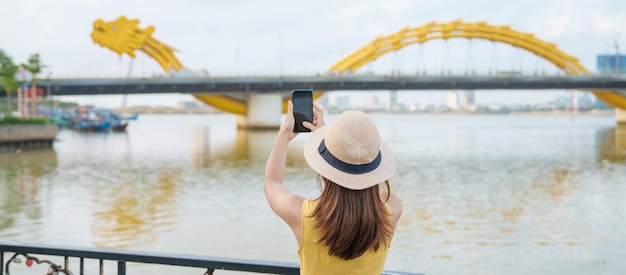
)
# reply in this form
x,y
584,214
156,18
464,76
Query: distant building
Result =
x,y
393,100
467,101
186,105
323,100
611,63
373,102
453,101
585,102
599,105
494,107
562,103
343,102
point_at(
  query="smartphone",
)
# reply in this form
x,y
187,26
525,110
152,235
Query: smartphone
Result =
x,y
302,108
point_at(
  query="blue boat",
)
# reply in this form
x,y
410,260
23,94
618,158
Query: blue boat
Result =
x,y
89,119
92,126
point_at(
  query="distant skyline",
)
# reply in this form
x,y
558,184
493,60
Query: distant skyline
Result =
x,y
270,37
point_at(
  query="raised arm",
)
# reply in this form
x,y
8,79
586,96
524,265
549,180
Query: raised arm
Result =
x,y
286,205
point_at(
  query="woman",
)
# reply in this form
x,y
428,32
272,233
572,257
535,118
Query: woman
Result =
x,y
348,229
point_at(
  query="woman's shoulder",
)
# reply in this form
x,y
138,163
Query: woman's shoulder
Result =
x,y
308,205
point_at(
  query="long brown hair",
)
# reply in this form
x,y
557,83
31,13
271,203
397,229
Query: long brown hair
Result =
x,y
352,221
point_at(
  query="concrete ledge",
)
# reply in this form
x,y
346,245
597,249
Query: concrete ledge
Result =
x,y
25,136
26,132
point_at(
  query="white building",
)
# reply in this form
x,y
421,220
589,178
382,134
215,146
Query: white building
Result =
x,y
453,101
373,102
343,102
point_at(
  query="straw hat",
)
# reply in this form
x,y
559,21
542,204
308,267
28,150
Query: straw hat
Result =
x,y
350,152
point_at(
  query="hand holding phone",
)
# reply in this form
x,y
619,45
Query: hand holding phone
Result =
x,y
302,108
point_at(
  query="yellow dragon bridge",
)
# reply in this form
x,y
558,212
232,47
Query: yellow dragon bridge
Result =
x,y
125,36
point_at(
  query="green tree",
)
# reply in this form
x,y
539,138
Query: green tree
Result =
x,y
35,66
8,69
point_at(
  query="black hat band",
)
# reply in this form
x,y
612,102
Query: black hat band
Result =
x,y
347,167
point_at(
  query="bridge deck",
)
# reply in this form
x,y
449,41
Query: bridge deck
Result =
x,y
327,83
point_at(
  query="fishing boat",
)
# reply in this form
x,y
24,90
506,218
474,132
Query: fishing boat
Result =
x,y
132,116
89,119
92,126
119,125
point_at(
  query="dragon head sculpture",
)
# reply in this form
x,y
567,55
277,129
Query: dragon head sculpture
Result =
x,y
121,35
125,36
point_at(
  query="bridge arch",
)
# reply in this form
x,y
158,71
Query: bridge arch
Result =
x,y
479,30
124,36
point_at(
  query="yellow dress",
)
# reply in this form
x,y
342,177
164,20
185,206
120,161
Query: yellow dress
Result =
x,y
314,258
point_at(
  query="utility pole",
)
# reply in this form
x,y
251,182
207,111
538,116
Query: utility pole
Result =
x,y
616,44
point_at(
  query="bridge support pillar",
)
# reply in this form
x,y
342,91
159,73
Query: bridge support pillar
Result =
x,y
620,116
264,112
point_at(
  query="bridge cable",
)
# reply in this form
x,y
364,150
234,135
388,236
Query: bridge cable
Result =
x,y
469,65
512,59
493,58
422,65
402,59
394,63
417,61
536,71
542,65
445,58
521,55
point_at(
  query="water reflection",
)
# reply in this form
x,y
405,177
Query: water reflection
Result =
x,y
612,143
471,212
136,209
247,147
20,175
530,206
492,194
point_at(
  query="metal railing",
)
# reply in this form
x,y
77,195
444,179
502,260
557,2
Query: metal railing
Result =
x,y
26,253
294,74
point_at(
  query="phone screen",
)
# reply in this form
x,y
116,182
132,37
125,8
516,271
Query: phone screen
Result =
x,y
302,108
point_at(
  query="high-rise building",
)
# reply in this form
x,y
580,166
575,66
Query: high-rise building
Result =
x,y
467,101
393,100
611,64
453,101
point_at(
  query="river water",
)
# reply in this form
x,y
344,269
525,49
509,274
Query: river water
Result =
x,y
483,194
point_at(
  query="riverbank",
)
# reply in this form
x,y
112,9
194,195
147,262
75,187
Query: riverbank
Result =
x,y
166,110
29,134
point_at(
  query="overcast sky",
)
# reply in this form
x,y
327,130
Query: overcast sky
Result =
x,y
297,37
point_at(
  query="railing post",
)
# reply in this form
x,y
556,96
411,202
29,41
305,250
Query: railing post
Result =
x,y
121,268
1,262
